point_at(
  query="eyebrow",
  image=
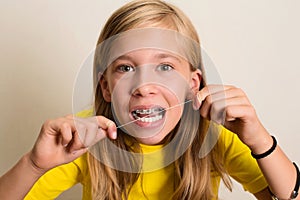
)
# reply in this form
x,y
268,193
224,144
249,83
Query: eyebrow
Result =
x,y
157,55
164,55
123,57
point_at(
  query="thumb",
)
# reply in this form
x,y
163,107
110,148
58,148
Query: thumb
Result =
x,y
101,133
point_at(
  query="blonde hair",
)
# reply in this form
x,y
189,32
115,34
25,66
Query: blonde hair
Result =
x,y
193,174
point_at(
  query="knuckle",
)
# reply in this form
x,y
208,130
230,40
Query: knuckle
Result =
x,y
47,123
69,116
100,119
240,91
65,125
65,128
209,99
228,110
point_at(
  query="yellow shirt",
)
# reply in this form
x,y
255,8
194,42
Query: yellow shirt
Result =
x,y
238,162
157,184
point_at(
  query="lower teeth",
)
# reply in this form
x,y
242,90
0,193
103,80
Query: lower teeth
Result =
x,y
150,119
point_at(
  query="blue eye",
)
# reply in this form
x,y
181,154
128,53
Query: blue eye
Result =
x,y
164,67
125,68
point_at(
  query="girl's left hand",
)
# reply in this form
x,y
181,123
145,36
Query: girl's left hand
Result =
x,y
229,106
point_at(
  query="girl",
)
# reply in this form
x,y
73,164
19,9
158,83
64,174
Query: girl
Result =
x,y
137,75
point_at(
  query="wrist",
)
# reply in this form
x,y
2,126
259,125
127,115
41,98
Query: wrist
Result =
x,y
266,153
32,165
262,145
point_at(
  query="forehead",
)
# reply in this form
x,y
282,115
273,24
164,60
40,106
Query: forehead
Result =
x,y
148,38
168,41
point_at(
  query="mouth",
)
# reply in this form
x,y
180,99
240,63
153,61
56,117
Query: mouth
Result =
x,y
149,115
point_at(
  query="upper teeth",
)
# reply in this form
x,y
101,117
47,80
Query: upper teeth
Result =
x,y
148,111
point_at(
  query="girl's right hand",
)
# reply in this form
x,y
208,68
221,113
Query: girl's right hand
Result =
x,y
65,139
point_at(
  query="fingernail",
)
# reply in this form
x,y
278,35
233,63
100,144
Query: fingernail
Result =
x,y
74,152
65,145
114,135
197,101
199,97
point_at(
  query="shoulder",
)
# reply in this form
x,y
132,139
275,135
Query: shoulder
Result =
x,y
230,144
60,179
85,113
74,170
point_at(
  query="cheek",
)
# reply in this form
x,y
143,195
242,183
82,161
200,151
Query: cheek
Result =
x,y
176,102
112,82
173,116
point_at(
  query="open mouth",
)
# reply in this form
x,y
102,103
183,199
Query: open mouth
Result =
x,y
149,115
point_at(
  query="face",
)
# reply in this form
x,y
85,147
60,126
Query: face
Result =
x,y
148,88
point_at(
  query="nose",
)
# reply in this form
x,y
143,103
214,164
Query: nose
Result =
x,y
146,90
144,81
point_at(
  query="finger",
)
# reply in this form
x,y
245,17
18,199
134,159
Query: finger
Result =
x,y
108,126
243,112
214,93
228,93
207,91
218,98
66,133
93,132
89,131
216,110
79,137
212,89
60,128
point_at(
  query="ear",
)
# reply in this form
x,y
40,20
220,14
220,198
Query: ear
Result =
x,y
195,82
104,88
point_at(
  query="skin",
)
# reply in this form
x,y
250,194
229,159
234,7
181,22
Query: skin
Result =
x,y
241,118
59,142
151,94
62,140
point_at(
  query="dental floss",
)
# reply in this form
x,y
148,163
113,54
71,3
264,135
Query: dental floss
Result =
x,y
122,125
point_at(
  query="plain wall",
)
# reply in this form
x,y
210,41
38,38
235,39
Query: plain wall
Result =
x,y
254,45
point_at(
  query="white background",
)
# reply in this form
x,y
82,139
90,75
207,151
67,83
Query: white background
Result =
x,y
254,44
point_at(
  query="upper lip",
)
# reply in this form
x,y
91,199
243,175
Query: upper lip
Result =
x,y
150,107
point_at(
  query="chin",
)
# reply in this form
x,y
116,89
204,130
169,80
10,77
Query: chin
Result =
x,y
155,140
